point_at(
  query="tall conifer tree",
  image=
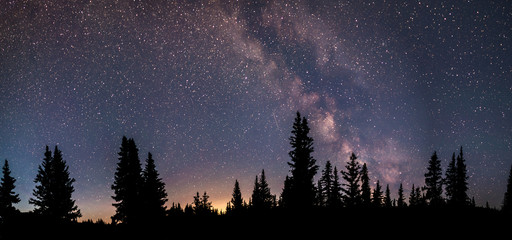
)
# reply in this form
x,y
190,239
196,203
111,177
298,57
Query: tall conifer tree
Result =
x,y
336,191
387,197
352,188
401,200
127,184
54,189
377,195
303,167
450,181
461,184
325,185
261,196
61,188
236,200
153,192
42,195
366,193
7,195
434,181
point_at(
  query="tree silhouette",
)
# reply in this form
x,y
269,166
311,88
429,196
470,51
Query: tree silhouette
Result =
x,y
236,205
401,200
387,197
54,189
325,185
127,184
352,176
61,188
202,205
336,200
329,187
153,192
450,181
7,195
460,196
42,193
365,187
261,196
415,198
300,187
434,181
507,201
285,198
377,195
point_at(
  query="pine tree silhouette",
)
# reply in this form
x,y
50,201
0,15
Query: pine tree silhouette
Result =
x,y
262,199
285,198
460,197
387,197
153,192
450,181
237,202
336,200
365,187
7,195
42,192
414,197
127,184
377,195
202,205
401,200
325,185
54,189
300,187
434,181
61,188
352,188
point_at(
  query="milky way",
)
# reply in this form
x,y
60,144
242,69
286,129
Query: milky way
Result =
x,y
211,88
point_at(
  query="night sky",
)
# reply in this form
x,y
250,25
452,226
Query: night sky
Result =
x,y
211,89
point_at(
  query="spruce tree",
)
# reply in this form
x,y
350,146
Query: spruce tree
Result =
x,y
325,185
413,200
401,200
261,196
434,181
256,194
236,200
127,184
387,197
319,197
202,205
335,201
54,189
285,198
42,195
450,181
7,196
365,187
507,200
460,197
303,168
61,188
352,176
377,195
153,192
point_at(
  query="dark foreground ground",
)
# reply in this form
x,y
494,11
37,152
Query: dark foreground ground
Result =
x,y
341,224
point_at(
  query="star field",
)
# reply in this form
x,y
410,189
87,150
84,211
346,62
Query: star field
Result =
x,y
211,88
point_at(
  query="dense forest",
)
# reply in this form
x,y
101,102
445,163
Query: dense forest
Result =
x,y
342,196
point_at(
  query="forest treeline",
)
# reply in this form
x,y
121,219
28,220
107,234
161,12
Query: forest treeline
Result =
x,y
140,195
